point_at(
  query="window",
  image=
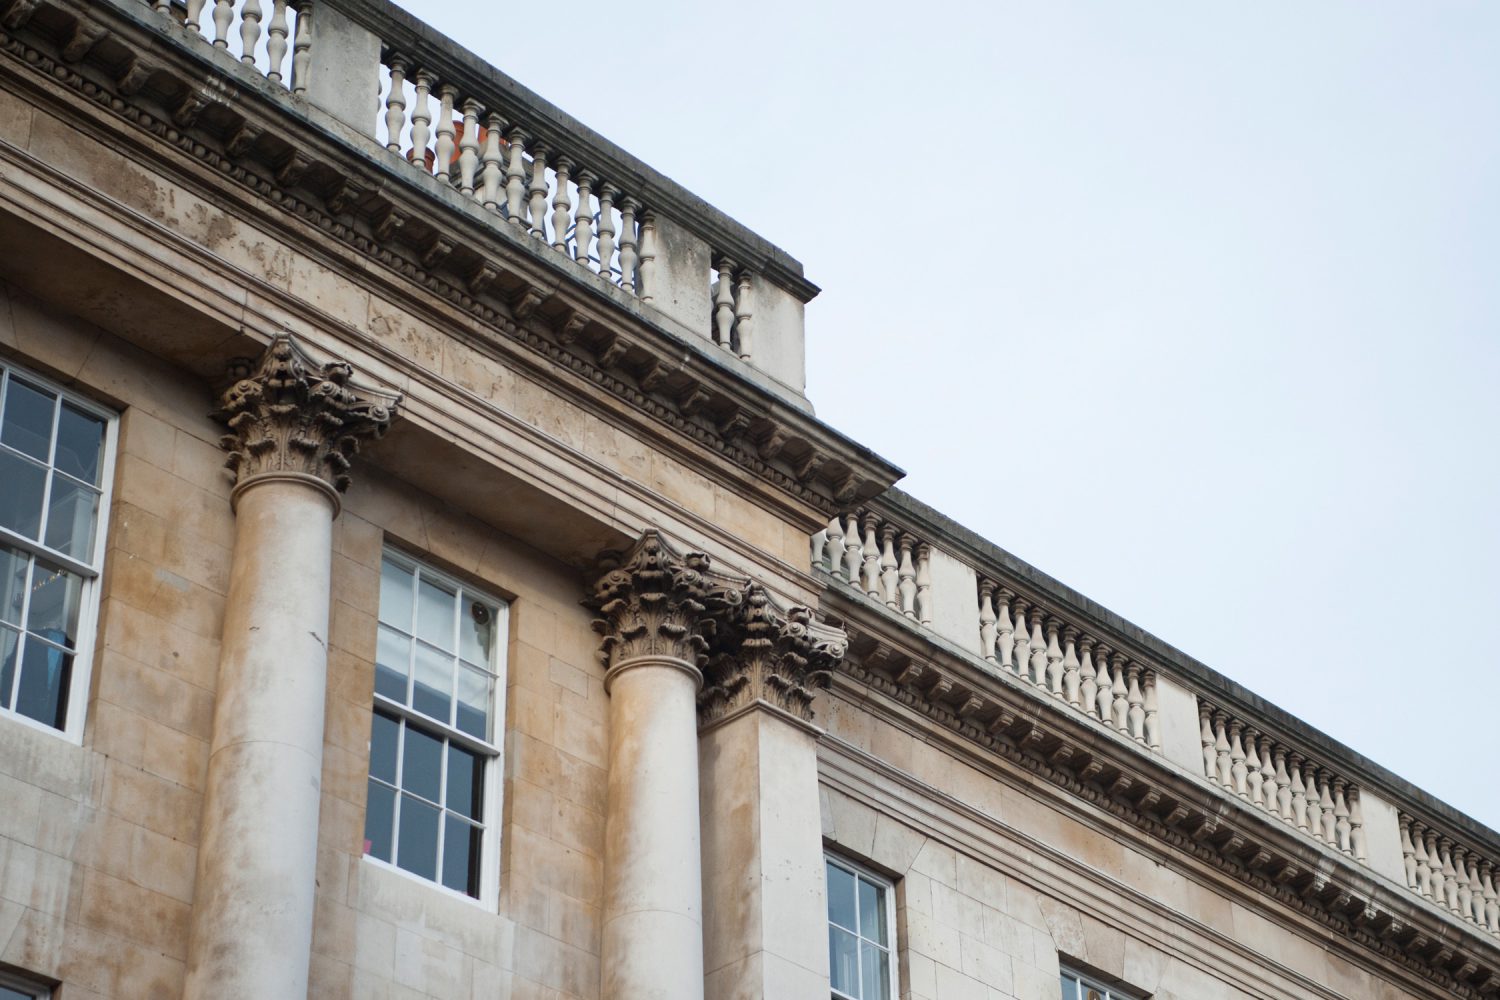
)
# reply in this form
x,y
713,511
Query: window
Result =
x,y
55,453
433,752
15,988
1077,986
861,922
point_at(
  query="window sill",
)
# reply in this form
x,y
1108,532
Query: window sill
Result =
x,y
490,906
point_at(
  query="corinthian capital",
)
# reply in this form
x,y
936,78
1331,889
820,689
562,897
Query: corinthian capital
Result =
x,y
290,416
654,602
772,655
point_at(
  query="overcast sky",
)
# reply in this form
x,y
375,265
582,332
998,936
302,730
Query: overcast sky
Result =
x,y
1195,306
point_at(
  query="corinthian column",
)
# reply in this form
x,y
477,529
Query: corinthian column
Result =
x,y
766,930
658,609
294,425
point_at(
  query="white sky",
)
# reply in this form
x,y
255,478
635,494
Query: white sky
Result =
x,y
1195,306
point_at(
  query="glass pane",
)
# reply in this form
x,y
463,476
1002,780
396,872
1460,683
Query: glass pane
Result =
x,y
12,585
422,765
465,784
80,439
56,596
6,993
476,629
44,681
27,424
473,702
1091,993
10,640
461,856
380,814
872,912
416,850
843,961
395,595
432,694
435,607
1069,987
392,661
21,499
383,737
875,972
840,897
70,518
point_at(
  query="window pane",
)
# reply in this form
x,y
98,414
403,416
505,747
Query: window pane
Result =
x,y
383,737
10,641
435,606
476,632
12,585
840,897
392,661
55,598
422,765
872,912
465,787
843,962
27,424
21,499
395,595
432,694
70,518
6,993
461,856
380,812
44,679
416,850
80,439
1069,987
875,972
473,702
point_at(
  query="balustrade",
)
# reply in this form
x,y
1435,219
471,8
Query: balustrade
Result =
x,y
1450,874
241,28
875,557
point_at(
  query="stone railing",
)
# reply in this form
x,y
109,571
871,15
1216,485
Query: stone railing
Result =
x,y
242,28
1283,781
879,559
1452,875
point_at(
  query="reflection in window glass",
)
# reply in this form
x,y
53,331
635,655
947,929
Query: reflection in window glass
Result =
x,y
860,960
1077,986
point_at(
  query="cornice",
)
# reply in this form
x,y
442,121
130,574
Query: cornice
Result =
x,y
908,676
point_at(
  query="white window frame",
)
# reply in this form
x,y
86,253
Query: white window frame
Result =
x,y
30,987
1085,981
92,571
888,889
492,752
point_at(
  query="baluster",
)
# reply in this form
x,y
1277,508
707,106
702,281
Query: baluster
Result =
x,y
1136,702
250,15
583,219
924,584
645,277
443,161
1283,786
395,103
1491,897
1005,626
629,258
1038,650
1314,799
836,548
870,569
854,551
1299,792
606,235
302,46
1088,690
1153,715
194,20
1054,659
1021,645
537,209
1252,767
1341,827
1476,890
1104,698
723,296
1419,856
1450,877
515,177
1461,876
1267,775
421,120
223,18
889,579
907,578
562,213
493,161
1237,768
1206,737
276,40
1119,691
1072,686
1223,762
1330,822
743,316
818,542
1408,854
468,148
987,620
1434,866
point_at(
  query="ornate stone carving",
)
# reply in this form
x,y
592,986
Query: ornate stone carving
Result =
x,y
656,602
289,415
773,655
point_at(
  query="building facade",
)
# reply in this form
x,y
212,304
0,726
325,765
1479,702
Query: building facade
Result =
x,y
539,641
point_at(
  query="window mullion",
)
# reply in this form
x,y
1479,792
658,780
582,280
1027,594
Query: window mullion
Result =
x,y
35,548
400,777
442,830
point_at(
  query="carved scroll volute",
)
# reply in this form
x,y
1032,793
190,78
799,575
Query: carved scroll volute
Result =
x,y
292,417
654,602
780,657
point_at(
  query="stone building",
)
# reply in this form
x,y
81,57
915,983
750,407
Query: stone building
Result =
x,y
541,642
